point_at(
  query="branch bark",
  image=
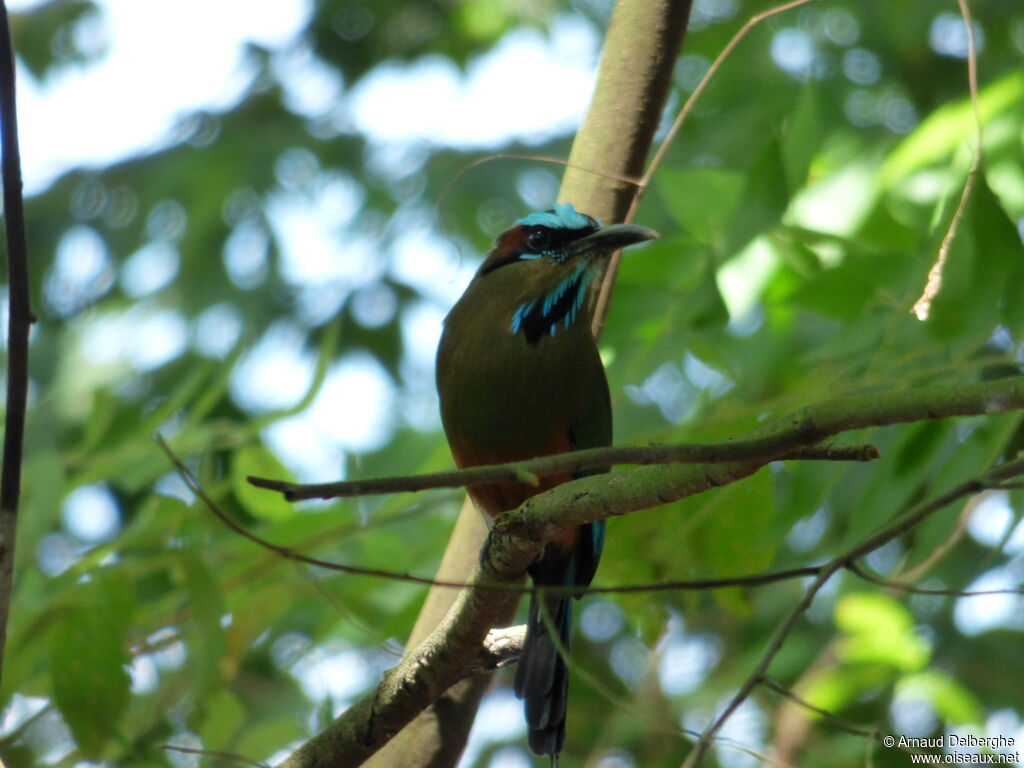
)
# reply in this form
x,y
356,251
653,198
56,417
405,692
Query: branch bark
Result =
x,y
576,463
19,323
422,676
590,498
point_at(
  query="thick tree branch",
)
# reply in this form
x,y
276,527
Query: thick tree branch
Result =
x,y
428,671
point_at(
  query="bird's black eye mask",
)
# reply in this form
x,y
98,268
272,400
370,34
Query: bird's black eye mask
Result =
x,y
547,241
526,242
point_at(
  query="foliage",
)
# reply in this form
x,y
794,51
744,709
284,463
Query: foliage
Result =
x,y
801,209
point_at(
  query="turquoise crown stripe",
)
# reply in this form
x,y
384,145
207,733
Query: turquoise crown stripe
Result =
x,y
564,216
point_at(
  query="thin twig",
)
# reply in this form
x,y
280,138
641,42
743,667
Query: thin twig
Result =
x,y
917,572
531,158
900,586
922,307
684,113
604,296
774,646
577,462
285,552
753,580
783,691
19,322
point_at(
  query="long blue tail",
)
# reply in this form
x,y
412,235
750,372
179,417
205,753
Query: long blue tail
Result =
x,y
542,677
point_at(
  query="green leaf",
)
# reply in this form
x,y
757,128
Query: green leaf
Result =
x,y
255,459
205,633
702,199
51,26
843,291
950,126
727,533
981,278
801,138
225,716
835,687
878,630
764,199
89,657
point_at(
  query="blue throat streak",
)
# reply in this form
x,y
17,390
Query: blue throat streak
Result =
x,y
560,306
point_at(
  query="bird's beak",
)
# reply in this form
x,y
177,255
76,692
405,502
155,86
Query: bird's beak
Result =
x,y
610,239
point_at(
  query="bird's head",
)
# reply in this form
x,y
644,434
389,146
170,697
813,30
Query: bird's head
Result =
x,y
561,236
545,265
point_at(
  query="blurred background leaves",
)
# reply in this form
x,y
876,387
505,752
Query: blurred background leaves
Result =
x,y
264,285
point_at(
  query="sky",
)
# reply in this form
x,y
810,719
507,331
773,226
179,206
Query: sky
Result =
x,y
79,116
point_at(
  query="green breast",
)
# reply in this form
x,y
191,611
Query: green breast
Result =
x,y
506,396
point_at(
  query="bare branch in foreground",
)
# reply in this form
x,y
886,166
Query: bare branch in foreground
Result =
x,y
542,517
577,462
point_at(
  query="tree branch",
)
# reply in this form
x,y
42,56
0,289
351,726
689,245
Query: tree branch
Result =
x,y
19,322
780,689
587,499
637,60
440,660
288,553
577,462
428,671
900,586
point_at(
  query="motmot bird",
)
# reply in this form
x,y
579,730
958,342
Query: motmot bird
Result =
x,y
519,376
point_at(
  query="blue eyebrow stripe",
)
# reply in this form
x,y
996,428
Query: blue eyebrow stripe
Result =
x,y
564,216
